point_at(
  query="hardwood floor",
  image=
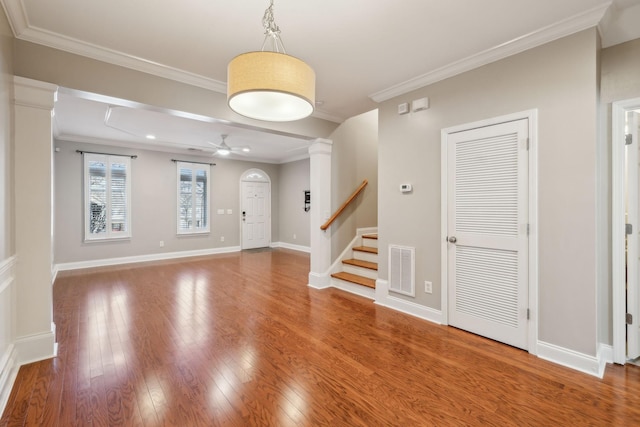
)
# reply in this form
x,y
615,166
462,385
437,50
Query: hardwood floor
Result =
x,y
240,340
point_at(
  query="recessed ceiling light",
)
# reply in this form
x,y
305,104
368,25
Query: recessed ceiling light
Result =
x,y
151,136
246,149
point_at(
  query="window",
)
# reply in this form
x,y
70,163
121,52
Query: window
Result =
x,y
193,198
107,189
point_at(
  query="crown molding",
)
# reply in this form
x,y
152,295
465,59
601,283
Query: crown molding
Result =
x,y
319,114
16,14
33,93
536,38
78,47
19,22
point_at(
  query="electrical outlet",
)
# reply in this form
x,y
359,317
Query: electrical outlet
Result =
x,y
162,243
294,236
222,238
428,287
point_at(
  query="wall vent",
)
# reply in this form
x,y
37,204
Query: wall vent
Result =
x,y
402,270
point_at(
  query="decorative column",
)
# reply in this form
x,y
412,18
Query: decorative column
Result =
x,y
33,183
320,186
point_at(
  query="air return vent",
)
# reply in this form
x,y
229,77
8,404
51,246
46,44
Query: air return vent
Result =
x,y
402,270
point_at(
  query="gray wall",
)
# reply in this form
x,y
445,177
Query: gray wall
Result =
x,y
153,205
560,80
354,157
620,72
294,180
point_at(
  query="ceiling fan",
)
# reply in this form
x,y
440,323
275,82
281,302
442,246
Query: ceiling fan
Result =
x,y
223,149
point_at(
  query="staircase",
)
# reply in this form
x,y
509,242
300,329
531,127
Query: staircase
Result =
x,y
359,268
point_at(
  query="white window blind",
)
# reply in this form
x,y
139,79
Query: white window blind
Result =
x,y
107,192
193,198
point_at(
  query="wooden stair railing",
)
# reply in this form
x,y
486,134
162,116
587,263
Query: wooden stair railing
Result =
x,y
344,205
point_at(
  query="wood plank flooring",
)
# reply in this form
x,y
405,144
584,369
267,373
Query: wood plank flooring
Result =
x,y
240,340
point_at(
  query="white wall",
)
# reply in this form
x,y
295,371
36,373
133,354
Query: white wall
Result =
x,y
560,80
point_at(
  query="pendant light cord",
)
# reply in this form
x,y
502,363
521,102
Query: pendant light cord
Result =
x,y
272,31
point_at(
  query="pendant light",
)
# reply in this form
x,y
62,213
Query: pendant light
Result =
x,y
271,85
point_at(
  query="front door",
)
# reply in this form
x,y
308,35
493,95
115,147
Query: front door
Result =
x,y
256,215
487,249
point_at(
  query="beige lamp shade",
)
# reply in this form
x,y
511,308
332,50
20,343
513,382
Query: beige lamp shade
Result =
x,y
270,86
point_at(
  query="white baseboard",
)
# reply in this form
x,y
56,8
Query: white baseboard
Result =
x,y
571,359
319,281
384,299
605,355
9,367
144,258
293,247
54,273
35,348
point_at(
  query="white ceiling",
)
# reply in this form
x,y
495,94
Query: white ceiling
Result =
x,y
363,51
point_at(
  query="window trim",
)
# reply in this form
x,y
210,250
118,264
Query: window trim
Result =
x,y
109,234
194,167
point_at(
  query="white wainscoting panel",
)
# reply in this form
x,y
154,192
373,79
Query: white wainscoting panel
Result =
x,y
8,356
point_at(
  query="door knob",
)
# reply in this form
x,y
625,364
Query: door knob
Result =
x,y
452,239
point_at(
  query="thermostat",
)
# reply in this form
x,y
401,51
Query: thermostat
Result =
x,y
405,188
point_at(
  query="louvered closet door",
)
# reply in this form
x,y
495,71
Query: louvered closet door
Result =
x,y
487,216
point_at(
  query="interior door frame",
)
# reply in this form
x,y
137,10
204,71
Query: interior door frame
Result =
x,y
254,175
532,117
618,117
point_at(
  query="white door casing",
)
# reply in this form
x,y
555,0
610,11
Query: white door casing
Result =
x,y
632,199
489,199
619,111
255,214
